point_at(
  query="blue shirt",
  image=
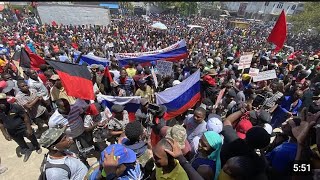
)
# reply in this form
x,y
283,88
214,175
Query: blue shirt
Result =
x,y
281,156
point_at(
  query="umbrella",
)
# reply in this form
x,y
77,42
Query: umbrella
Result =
x,y
159,25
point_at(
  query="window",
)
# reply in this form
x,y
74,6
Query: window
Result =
x,y
280,5
266,4
293,7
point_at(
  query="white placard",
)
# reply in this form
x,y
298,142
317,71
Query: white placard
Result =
x,y
265,75
245,61
154,77
164,67
253,72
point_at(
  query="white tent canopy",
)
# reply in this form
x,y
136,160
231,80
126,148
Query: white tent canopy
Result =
x,y
159,25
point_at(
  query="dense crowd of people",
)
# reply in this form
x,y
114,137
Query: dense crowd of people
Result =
x,y
257,130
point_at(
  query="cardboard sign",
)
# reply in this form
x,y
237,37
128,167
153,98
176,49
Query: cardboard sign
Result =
x,y
253,72
154,78
245,61
265,75
221,93
164,67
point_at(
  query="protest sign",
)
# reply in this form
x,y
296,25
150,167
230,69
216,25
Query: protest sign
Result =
x,y
245,61
164,67
154,78
253,72
221,93
265,75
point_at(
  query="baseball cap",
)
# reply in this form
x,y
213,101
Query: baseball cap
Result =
x,y
209,80
117,108
246,76
94,66
9,87
125,155
268,128
175,82
210,60
178,133
54,77
50,136
243,127
214,124
3,84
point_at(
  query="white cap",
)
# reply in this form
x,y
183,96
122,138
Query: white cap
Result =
x,y
210,60
175,82
214,124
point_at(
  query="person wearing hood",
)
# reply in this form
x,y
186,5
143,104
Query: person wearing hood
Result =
x,y
207,161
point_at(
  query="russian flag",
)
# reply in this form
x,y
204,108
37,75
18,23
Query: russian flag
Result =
x,y
174,52
90,59
181,97
131,104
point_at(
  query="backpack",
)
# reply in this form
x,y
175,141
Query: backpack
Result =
x,y
46,165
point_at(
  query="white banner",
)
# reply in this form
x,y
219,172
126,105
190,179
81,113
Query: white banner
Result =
x,y
245,61
253,72
265,75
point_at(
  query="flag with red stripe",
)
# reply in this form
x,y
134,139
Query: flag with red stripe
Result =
x,y
76,79
107,74
29,59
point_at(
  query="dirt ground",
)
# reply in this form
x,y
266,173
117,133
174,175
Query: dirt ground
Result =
x,y
17,169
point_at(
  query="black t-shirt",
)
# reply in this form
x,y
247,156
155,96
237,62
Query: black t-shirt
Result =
x,y
14,119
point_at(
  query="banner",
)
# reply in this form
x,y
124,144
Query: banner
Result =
x,y
253,72
245,61
265,75
174,52
154,78
164,67
221,93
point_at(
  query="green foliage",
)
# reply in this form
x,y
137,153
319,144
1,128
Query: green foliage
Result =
x,y
309,18
183,8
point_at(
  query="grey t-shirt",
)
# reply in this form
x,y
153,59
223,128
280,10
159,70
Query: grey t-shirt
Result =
x,y
77,168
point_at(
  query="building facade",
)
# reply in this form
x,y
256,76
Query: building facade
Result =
x,y
266,11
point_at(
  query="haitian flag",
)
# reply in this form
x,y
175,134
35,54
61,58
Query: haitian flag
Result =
x,y
174,52
29,59
131,104
76,79
181,97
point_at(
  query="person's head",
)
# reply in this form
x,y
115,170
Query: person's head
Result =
x,y
126,161
123,73
199,115
210,143
259,117
55,139
178,133
133,131
161,157
4,105
237,168
22,85
288,124
55,79
118,111
297,94
142,84
130,64
63,106
33,74
257,138
43,67
6,76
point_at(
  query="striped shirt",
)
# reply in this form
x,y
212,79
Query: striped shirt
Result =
x,y
23,99
73,119
40,87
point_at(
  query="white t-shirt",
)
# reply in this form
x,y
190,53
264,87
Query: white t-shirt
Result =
x,y
77,168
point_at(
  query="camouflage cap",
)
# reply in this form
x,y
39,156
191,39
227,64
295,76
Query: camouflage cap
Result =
x,y
50,136
178,133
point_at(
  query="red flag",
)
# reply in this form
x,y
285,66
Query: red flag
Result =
x,y
54,23
29,59
75,79
107,74
278,34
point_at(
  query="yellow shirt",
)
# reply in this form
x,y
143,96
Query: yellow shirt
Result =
x,y
61,93
177,173
131,72
144,94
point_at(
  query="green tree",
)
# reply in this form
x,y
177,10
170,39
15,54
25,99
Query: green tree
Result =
x,y
307,19
184,8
